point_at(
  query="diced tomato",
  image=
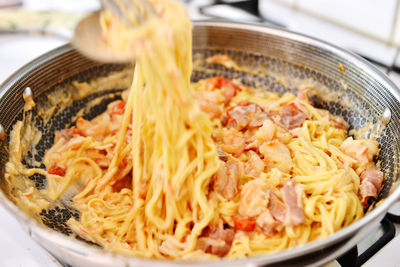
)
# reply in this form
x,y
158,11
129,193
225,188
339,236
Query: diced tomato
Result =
x,y
245,103
295,105
80,121
244,224
118,108
213,83
76,131
57,169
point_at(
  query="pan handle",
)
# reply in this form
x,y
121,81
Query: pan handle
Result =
x,y
394,212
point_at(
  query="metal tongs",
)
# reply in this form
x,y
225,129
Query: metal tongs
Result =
x,y
88,37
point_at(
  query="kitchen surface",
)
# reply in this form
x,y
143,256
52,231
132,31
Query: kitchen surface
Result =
x,y
370,29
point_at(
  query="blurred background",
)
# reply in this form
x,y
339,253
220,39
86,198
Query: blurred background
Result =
x,y
369,28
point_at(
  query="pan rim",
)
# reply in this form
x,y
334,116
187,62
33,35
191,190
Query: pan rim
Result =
x,y
34,228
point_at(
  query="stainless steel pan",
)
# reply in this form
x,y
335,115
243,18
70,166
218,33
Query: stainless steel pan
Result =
x,y
279,60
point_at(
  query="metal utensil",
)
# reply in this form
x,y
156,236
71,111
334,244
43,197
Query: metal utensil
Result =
x,y
88,37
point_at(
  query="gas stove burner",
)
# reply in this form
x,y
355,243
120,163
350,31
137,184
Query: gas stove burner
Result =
x,y
250,6
238,10
352,259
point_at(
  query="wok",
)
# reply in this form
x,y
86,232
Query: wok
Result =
x,y
273,59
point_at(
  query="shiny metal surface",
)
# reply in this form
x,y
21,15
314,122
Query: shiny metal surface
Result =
x,y
287,53
386,116
88,40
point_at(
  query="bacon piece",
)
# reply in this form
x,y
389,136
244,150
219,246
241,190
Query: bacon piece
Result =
x,y
293,115
227,178
57,169
277,208
374,176
267,224
291,193
367,190
371,182
217,242
239,116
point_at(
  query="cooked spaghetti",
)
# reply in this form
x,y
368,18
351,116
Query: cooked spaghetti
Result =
x,y
212,169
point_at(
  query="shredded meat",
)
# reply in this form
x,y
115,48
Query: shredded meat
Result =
x,y
367,190
371,182
267,224
293,115
227,178
277,208
291,193
217,241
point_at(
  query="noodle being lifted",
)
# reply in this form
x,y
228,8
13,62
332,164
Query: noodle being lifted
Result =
x,y
170,147
217,168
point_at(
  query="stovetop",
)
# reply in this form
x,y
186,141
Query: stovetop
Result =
x,y
16,247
